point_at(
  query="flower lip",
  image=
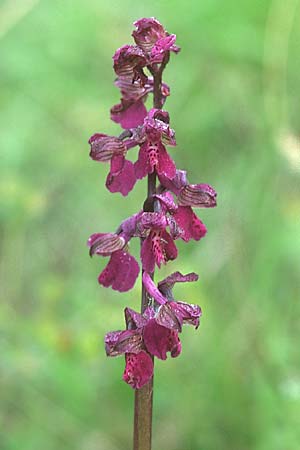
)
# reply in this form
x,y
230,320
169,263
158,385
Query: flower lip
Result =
x,y
121,272
138,370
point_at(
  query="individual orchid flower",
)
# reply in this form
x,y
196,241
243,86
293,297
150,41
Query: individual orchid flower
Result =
x,y
182,219
121,177
143,339
153,155
170,313
129,61
122,269
193,195
131,111
158,247
139,365
153,39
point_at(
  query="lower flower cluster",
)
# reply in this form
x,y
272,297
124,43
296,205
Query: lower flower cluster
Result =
x,y
153,333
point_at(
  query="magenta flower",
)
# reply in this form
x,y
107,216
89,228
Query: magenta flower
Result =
x,y
143,339
122,269
196,195
139,365
131,111
159,340
129,61
153,155
183,222
172,314
158,247
121,177
153,39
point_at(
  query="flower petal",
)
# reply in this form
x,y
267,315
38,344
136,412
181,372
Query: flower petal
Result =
x,y
155,220
159,340
152,289
167,317
120,273
187,313
105,243
138,370
167,203
147,255
176,277
166,165
169,247
190,225
121,177
129,226
142,166
174,344
175,184
197,195
162,46
128,60
120,342
104,147
134,319
156,339
148,31
129,114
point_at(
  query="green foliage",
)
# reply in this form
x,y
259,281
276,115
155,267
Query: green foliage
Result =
x,y
235,108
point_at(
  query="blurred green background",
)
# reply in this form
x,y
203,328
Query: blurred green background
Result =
x,y
234,104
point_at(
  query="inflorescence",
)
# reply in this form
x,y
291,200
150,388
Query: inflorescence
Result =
x,y
167,214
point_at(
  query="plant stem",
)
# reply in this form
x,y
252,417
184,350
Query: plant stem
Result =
x,y
144,397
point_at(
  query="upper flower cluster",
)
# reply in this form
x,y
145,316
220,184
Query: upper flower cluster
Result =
x,y
153,46
167,213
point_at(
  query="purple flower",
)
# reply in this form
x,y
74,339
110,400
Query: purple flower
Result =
x,y
172,314
173,185
129,61
131,111
122,269
153,154
158,247
188,224
143,339
183,222
121,177
153,39
196,195
161,47
159,340
139,365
